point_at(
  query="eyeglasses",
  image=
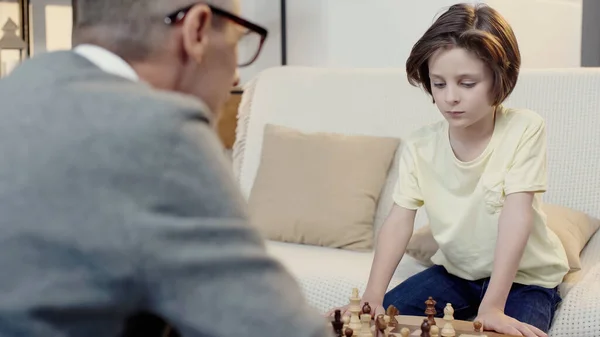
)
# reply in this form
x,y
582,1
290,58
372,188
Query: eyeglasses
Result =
x,y
250,44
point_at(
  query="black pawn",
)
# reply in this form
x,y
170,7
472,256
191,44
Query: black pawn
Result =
x,y
425,328
337,323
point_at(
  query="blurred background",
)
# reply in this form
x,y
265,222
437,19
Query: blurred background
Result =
x,y
335,33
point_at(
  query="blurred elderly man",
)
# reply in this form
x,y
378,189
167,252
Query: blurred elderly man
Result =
x,y
115,197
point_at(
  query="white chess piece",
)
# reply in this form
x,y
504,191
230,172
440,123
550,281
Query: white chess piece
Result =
x,y
448,330
435,331
448,313
404,332
355,310
365,329
346,320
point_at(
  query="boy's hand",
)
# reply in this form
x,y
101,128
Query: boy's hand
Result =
x,y
496,320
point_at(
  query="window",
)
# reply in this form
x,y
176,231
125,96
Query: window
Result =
x,y
50,26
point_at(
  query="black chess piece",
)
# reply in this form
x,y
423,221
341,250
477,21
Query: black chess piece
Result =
x,y
425,328
337,323
366,309
430,311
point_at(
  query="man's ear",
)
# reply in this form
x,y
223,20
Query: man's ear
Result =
x,y
196,27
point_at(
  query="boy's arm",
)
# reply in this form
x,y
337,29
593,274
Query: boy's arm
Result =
x,y
397,228
525,177
515,224
392,240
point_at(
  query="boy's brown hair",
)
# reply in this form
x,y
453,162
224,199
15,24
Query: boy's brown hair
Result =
x,y
479,29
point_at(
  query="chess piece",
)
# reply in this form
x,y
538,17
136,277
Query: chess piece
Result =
x,y
381,326
392,311
346,320
430,311
355,310
448,330
434,331
404,332
337,323
425,328
366,309
365,326
448,312
389,328
348,332
477,326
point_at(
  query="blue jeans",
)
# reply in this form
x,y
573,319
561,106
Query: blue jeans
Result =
x,y
528,304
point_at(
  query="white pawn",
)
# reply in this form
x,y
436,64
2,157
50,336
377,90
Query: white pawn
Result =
x,y
404,332
365,329
346,320
448,313
448,330
435,331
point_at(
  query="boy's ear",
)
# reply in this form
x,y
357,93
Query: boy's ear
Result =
x,y
195,30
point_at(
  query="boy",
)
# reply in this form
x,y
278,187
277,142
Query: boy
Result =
x,y
479,174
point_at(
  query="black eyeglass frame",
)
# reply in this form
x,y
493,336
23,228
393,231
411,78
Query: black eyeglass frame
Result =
x,y
179,15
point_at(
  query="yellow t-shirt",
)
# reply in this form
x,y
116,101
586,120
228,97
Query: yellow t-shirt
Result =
x,y
463,200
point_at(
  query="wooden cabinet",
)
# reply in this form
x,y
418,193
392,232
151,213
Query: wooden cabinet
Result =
x,y
227,121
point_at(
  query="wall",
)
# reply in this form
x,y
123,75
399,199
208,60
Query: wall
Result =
x,y
52,25
358,33
377,33
266,13
549,31
339,33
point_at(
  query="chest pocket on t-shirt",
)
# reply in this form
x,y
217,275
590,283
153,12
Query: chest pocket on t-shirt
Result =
x,y
493,191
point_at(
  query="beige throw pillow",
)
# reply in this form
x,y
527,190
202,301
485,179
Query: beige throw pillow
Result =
x,y
574,229
320,188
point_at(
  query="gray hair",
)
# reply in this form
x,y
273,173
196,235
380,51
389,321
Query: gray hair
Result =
x,y
133,29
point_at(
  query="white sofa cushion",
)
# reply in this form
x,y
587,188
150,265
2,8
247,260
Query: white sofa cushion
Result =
x,y
328,275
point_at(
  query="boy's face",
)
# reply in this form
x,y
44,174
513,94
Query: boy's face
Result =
x,y
461,85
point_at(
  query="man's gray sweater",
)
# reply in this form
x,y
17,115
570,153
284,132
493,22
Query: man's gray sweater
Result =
x,y
116,198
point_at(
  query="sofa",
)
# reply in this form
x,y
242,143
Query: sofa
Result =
x,y
381,103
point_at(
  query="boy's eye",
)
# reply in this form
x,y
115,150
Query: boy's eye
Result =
x,y
439,85
469,85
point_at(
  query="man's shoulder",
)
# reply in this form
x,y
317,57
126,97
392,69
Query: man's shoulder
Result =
x,y
125,115
82,85
155,122
143,102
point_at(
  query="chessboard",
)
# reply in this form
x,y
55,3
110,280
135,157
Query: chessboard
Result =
x,y
461,328
362,323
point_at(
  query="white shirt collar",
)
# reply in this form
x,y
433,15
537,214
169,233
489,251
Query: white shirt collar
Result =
x,y
107,61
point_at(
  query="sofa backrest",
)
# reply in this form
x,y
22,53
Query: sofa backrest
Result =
x,y
380,102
